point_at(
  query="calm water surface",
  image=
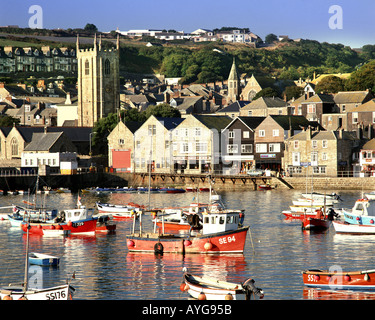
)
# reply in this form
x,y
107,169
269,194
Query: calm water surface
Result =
x,y
106,270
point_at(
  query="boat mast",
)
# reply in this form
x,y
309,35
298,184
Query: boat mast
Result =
x,y
26,279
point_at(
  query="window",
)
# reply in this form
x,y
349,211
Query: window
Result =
x,y
262,133
296,144
201,147
197,132
87,67
275,132
311,108
314,158
138,144
231,134
107,67
299,110
373,117
314,144
167,144
246,148
324,143
324,156
246,134
296,158
274,147
14,145
121,141
250,113
232,148
355,117
261,147
151,129
184,147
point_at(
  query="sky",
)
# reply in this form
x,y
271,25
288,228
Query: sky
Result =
x,y
351,24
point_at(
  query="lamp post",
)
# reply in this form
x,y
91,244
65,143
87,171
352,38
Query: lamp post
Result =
x,y
90,136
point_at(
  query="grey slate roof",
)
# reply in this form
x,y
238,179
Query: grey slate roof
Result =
x,y
43,141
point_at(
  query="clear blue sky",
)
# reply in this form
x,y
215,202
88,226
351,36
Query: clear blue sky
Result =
x,y
306,19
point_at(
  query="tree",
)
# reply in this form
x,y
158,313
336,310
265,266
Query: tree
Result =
x,y
271,38
8,121
293,92
330,84
363,78
91,27
162,110
266,92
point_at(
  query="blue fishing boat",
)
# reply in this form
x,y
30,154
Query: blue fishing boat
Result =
x,y
43,259
362,213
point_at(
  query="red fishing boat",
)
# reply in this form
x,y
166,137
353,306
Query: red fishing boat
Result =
x,y
340,280
222,232
77,221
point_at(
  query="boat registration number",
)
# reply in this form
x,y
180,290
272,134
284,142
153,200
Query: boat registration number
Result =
x,y
311,278
78,224
57,295
227,240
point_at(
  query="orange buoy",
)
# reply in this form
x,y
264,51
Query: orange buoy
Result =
x,y
130,243
347,278
184,287
229,296
23,298
187,243
202,296
208,246
7,297
70,224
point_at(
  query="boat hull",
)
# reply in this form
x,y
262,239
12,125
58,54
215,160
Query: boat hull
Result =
x,y
219,292
348,228
357,219
64,292
221,242
43,260
357,280
315,224
77,227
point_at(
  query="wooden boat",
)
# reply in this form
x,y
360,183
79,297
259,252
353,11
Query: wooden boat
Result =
x,y
207,288
265,187
321,221
357,280
43,259
77,221
349,228
119,212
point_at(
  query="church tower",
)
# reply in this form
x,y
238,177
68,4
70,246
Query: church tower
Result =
x,y
233,84
98,82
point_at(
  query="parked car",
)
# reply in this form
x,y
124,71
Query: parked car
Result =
x,y
255,172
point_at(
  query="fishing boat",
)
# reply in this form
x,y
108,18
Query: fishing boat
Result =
x,y
265,187
321,196
349,228
207,288
119,212
357,280
43,259
363,213
24,292
308,213
172,190
321,221
222,232
306,202
77,221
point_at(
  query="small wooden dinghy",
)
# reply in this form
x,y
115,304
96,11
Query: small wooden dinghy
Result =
x,y
207,288
43,259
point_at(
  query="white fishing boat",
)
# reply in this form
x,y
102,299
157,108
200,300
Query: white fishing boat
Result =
x,y
307,202
119,212
209,288
349,228
320,196
370,195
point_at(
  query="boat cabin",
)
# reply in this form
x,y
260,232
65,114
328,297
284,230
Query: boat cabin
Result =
x,y
78,214
221,221
364,207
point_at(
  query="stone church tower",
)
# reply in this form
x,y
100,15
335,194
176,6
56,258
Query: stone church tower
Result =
x,y
233,84
98,82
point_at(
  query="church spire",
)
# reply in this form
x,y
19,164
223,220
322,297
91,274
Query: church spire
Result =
x,y
233,83
233,71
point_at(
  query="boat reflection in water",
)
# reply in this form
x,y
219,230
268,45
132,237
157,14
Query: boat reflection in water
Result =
x,y
320,294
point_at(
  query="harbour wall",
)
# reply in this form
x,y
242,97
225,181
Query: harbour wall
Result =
x,y
106,179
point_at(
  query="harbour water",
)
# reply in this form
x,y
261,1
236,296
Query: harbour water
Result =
x,y
276,252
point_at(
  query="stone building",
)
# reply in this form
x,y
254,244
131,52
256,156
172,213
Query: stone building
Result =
x,y
327,152
98,82
233,84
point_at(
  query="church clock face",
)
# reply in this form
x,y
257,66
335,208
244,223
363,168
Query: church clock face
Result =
x,y
108,88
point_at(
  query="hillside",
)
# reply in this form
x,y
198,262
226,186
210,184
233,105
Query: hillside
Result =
x,y
202,63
